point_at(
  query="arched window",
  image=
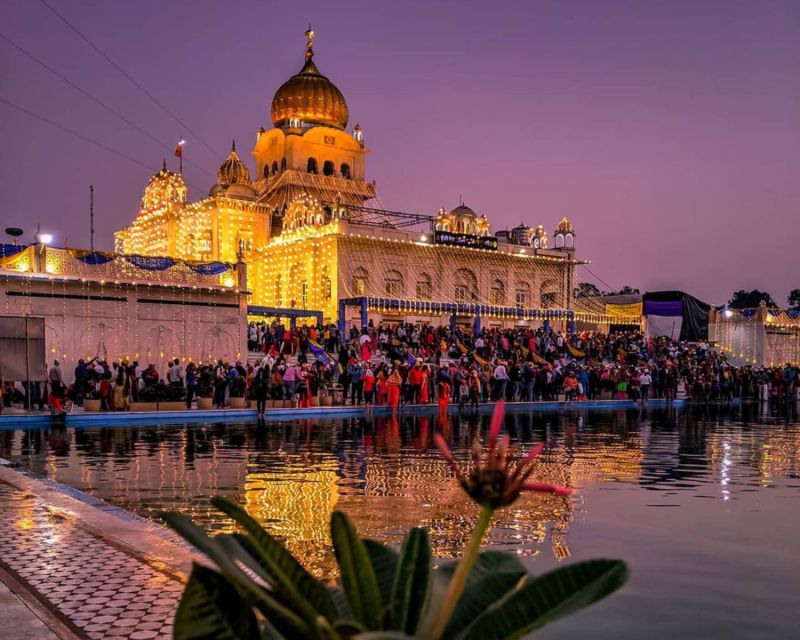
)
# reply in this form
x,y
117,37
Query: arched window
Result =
x,y
345,170
393,283
497,293
522,295
266,171
311,166
328,168
424,287
559,241
274,168
283,164
327,290
570,241
360,281
465,286
548,296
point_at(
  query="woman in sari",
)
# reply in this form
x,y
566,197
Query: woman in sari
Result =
x,y
393,384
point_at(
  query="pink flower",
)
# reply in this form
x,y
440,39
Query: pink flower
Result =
x,y
498,477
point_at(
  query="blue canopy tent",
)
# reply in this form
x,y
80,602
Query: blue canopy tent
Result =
x,y
676,314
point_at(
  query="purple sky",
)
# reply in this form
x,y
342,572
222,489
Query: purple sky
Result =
x,y
668,132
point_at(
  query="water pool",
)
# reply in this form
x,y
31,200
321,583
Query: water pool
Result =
x,y
703,503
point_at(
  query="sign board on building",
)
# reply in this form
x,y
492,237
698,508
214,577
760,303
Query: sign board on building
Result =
x,y
465,240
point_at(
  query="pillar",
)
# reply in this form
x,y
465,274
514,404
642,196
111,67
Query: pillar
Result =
x,y
341,321
364,313
453,323
547,327
571,325
477,328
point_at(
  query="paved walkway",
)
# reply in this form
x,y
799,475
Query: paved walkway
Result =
x,y
98,574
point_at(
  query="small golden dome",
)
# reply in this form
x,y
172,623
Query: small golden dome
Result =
x,y
164,188
310,97
233,170
565,226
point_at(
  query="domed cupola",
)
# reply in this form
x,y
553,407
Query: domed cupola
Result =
x,y
521,234
233,178
233,170
309,97
163,189
463,219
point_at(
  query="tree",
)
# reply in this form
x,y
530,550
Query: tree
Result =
x,y
627,290
794,300
750,299
587,290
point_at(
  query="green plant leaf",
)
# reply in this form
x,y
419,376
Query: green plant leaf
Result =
x,y
478,595
358,576
488,562
383,635
348,628
412,582
282,618
210,608
546,598
268,632
342,605
384,562
285,571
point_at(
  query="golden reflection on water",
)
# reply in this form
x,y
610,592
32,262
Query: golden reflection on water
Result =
x,y
388,477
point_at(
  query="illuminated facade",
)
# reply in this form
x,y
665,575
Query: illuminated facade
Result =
x,y
312,235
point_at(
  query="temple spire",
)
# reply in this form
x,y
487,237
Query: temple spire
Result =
x,y
309,43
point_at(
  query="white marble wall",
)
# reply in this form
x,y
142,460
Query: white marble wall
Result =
x,y
151,324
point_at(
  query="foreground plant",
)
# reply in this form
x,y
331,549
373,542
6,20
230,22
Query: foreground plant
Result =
x,y
258,590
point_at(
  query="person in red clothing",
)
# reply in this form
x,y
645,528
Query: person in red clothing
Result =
x,y
393,384
423,389
415,379
443,391
368,379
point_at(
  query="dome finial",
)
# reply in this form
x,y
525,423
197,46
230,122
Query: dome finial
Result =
x,y
164,164
233,145
309,43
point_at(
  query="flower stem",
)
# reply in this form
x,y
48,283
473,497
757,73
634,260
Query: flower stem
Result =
x,y
459,579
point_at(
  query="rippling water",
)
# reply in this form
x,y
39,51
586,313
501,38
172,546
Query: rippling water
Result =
x,y
703,503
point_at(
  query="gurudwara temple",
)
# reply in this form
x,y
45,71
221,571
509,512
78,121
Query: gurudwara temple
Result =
x,y
309,227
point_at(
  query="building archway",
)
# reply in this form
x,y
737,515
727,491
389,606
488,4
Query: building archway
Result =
x,y
465,286
394,284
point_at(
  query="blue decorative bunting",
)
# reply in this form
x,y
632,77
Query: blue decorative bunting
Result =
x,y
91,257
151,264
8,250
209,268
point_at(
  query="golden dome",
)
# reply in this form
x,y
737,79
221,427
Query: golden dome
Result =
x,y
565,226
309,96
233,170
164,188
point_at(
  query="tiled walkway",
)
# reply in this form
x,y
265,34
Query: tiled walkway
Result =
x,y
96,585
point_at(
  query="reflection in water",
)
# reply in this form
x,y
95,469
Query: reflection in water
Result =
x,y
386,474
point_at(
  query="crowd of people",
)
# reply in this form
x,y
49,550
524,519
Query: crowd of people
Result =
x,y
397,364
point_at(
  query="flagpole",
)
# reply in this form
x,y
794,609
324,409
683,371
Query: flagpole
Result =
x,y
179,153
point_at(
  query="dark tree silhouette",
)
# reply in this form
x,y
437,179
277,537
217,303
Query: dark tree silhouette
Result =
x,y
750,299
794,300
625,291
587,290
